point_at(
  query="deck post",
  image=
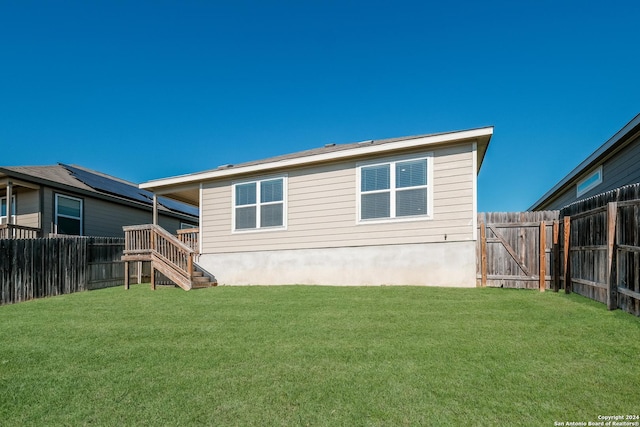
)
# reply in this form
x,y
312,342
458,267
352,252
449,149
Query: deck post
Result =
x,y
139,275
126,275
9,204
153,278
155,209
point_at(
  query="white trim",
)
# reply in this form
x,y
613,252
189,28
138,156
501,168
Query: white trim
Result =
x,y
595,173
258,204
358,151
200,219
392,162
474,177
56,214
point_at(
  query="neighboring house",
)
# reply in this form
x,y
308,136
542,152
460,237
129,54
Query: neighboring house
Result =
x,y
73,200
397,211
615,164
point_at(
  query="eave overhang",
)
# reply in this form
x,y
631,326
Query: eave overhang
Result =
x,y
184,188
614,144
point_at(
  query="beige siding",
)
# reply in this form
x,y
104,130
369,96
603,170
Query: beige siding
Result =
x,y
28,208
322,206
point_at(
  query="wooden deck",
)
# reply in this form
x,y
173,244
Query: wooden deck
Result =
x,y
12,231
168,255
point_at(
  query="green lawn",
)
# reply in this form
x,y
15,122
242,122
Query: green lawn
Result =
x,y
296,355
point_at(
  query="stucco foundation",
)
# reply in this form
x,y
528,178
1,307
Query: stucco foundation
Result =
x,y
432,264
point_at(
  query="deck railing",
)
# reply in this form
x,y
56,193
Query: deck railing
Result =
x,y
152,240
189,237
12,231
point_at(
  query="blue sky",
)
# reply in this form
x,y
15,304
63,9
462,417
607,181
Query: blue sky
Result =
x,y
146,90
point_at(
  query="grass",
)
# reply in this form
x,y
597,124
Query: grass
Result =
x,y
297,355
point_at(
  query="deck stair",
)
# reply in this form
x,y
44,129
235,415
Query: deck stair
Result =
x,y
168,255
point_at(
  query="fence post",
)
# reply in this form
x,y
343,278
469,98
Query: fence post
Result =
x,y
542,271
556,257
483,253
567,259
612,282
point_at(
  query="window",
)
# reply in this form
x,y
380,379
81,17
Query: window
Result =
x,y
395,189
68,215
591,181
259,204
3,209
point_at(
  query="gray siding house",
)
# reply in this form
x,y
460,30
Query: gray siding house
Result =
x,y
398,211
615,164
64,199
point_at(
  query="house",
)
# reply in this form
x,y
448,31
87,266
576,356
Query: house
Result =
x,y
615,164
398,211
72,200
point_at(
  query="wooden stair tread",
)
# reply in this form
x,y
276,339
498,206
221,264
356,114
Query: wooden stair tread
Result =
x,y
168,255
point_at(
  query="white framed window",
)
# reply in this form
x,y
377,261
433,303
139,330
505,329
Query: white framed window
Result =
x,y
590,182
396,189
260,204
3,209
68,218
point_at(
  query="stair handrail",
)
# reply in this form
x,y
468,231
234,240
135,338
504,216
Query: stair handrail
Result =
x,y
155,240
190,237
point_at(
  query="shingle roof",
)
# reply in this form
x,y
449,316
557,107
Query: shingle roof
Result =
x,y
329,148
92,181
55,174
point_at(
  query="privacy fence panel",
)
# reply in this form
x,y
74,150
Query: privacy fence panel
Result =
x,y
516,249
588,254
628,256
36,268
603,247
103,263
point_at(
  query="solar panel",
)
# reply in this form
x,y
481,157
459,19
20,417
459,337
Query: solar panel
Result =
x,y
111,186
128,191
178,206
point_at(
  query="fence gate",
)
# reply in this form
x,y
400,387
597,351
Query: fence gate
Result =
x,y
518,249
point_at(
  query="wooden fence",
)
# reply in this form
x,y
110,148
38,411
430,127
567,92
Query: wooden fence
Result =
x,y
36,268
516,249
592,251
603,255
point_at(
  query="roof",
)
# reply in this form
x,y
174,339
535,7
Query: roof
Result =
x,y
77,178
606,150
184,187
